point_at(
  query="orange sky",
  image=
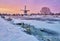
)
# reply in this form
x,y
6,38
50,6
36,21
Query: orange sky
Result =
x,y
15,6
8,9
14,9
17,9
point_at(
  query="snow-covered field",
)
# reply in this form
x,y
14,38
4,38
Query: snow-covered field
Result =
x,y
9,32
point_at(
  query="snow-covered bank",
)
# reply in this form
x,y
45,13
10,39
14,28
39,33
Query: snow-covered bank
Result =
x,y
9,32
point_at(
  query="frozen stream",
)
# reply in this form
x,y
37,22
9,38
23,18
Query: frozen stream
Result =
x,y
42,30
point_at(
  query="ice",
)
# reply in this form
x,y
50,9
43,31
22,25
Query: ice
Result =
x,y
52,25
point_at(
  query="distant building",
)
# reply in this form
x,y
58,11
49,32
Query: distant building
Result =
x,y
45,10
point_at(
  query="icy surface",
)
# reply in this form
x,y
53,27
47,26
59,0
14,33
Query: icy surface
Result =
x,y
9,32
52,25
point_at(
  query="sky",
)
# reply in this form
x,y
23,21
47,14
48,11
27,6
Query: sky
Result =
x,y
15,6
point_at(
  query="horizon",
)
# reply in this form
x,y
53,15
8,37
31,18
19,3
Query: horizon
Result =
x,y
14,6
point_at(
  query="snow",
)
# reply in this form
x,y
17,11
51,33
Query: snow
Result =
x,y
9,32
53,25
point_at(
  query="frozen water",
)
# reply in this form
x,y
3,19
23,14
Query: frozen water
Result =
x,y
52,25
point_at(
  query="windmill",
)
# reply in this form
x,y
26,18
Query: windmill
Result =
x,y
25,10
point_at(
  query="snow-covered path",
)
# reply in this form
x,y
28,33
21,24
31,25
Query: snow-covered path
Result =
x,y
9,32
